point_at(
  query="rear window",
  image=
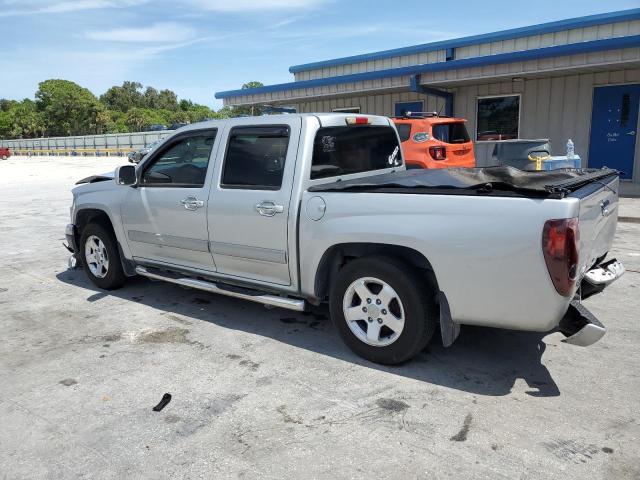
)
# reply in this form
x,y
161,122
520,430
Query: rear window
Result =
x,y
354,149
404,130
451,132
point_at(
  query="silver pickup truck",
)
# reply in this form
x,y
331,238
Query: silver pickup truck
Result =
x,y
295,210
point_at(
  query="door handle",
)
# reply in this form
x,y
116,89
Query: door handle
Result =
x,y
192,203
267,208
632,133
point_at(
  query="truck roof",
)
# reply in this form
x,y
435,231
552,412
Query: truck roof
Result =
x,y
271,119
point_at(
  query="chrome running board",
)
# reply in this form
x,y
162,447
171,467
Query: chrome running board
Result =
x,y
271,300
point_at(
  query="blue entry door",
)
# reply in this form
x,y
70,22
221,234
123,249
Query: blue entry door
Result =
x,y
403,107
614,124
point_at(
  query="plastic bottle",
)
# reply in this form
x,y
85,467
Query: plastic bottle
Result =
x,y
571,151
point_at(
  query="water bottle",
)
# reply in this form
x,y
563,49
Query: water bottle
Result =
x,y
571,151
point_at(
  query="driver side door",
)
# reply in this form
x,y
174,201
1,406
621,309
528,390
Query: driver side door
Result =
x,y
165,215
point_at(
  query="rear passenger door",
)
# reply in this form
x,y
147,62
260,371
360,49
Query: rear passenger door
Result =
x,y
249,205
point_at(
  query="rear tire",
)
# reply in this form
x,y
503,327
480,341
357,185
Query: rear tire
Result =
x,y
393,317
98,252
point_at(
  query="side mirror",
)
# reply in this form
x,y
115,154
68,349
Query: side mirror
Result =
x,y
126,175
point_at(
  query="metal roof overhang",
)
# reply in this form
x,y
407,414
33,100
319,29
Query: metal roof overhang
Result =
x,y
496,59
540,29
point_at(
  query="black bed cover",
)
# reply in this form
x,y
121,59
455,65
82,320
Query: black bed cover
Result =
x,y
498,181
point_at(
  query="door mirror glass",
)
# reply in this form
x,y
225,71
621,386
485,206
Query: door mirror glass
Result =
x,y
126,175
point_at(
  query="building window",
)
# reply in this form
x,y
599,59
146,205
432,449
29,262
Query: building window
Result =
x,y
346,110
498,118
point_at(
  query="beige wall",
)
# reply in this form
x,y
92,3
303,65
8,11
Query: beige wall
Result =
x,y
556,108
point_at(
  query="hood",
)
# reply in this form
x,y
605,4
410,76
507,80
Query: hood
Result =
x,y
97,178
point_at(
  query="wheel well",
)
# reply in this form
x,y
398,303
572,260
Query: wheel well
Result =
x,y
91,215
339,255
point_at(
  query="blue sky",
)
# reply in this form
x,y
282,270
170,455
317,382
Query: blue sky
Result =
x,y
198,47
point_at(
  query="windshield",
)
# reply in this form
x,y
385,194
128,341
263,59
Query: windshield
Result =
x,y
354,149
451,132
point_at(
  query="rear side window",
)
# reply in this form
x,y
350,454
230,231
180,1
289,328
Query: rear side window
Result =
x,y
404,131
255,158
354,149
451,132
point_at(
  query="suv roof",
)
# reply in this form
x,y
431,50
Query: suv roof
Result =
x,y
428,120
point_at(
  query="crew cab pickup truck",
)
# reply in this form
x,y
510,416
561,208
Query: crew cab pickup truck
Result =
x,y
295,210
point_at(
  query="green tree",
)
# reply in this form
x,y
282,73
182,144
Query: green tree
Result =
x,y
68,109
103,120
167,100
26,121
139,119
129,95
151,97
6,105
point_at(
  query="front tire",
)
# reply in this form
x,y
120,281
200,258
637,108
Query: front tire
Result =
x,y
100,257
383,309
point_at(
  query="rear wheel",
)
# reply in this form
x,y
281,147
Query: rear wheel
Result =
x,y
100,257
383,309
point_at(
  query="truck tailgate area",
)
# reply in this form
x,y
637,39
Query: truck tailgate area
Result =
x,y
598,220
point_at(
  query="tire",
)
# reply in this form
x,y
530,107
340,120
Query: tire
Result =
x,y
412,303
105,269
4,157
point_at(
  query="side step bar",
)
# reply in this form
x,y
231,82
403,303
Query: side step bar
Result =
x,y
271,300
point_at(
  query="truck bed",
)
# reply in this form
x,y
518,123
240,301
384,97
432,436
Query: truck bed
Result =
x,y
492,181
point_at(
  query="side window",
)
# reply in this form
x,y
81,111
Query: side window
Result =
x,y
255,158
404,131
183,163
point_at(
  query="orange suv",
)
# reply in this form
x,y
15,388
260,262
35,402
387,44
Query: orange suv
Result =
x,y
432,141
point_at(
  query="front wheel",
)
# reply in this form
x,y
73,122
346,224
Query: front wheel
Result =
x,y
100,257
384,310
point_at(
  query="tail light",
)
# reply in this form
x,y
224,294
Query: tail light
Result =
x,y
560,245
438,153
358,120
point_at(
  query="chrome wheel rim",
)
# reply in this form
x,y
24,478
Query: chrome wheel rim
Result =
x,y
373,311
95,254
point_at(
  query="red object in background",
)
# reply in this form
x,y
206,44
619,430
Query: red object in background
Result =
x,y
435,142
4,153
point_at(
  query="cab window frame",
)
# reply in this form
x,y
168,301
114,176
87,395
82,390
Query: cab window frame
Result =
x,y
230,186
156,155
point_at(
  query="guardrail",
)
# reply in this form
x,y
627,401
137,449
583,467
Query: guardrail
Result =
x,y
114,143
79,152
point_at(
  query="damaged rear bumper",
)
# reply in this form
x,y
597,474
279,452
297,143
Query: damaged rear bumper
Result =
x,y
579,325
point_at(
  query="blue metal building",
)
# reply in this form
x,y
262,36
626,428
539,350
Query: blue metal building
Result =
x,y
577,78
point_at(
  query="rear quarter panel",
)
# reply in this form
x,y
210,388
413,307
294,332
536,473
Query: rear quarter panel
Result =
x,y
485,251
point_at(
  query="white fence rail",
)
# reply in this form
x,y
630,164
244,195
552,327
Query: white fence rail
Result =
x,y
108,144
